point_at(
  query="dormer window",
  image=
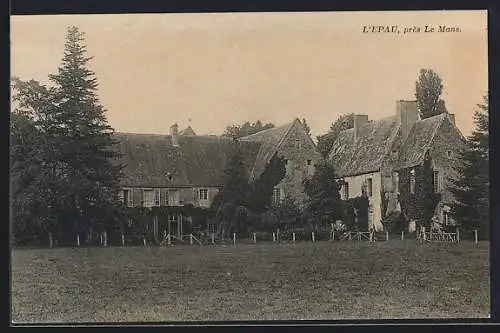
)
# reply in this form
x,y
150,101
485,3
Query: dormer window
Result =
x,y
449,153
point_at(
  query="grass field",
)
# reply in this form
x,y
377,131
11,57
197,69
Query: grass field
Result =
x,y
341,280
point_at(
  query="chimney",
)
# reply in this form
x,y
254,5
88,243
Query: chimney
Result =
x,y
359,121
407,116
174,132
452,117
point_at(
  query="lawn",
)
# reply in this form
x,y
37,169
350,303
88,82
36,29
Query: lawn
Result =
x,y
323,280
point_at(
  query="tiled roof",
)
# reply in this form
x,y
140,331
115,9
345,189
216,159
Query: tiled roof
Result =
x,y
198,160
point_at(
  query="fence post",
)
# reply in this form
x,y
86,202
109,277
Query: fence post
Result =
x,y
371,236
234,238
213,238
274,237
100,237
78,240
278,235
293,237
254,238
423,233
386,235
190,239
458,235
402,235
144,241
105,238
123,239
169,240
51,240
475,236
312,234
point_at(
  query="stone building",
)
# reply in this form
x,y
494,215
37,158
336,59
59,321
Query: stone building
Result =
x,y
370,156
184,169
294,144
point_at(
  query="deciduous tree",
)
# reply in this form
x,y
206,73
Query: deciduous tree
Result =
x,y
428,90
325,141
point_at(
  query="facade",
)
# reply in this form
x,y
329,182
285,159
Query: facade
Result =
x,y
370,157
184,169
295,145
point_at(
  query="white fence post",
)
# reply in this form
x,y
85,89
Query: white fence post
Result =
x,y
254,238
371,236
274,237
213,238
312,236
234,238
144,241
105,238
293,237
190,239
123,239
387,235
100,237
423,233
402,234
458,235
78,240
475,236
51,240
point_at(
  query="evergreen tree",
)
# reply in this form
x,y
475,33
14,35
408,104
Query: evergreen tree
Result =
x,y
235,192
77,178
262,192
88,148
247,128
324,205
471,188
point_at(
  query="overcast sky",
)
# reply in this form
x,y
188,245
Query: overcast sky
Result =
x,y
211,70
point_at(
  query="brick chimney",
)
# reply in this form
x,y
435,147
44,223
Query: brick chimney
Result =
x,y
174,133
359,121
406,116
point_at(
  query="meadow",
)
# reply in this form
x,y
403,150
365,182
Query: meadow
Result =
x,y
268,281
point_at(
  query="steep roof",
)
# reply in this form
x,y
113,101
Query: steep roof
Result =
x,y
419,140
376,142
197,161
352,157
269,141
187,131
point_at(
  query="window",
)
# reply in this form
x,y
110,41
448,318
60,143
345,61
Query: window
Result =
x,y
276,196
173,197
309,162
147,198
298,143
172,218
345,191
449,154
369,187
412,181
203,194
436,183
157,197
126,197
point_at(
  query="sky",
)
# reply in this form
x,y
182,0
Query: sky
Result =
x,y
210,70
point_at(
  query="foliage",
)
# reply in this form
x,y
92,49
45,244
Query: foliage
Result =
x,y
284,216
247,128
420,205
356,213
262,189
324,205
428,90
62,151
325,141
471,189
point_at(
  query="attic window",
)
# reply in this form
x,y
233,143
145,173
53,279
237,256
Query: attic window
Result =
x,y
298,143
309,162
169,176
449,154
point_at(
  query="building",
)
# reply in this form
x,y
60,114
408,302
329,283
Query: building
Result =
x,y
294,144
370,157
184,169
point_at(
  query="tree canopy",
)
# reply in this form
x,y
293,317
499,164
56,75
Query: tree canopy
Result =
x,y
247,128
323,189
428,90
61,131
325,141
471,188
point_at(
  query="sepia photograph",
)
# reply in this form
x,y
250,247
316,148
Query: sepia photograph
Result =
x,y
249,166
